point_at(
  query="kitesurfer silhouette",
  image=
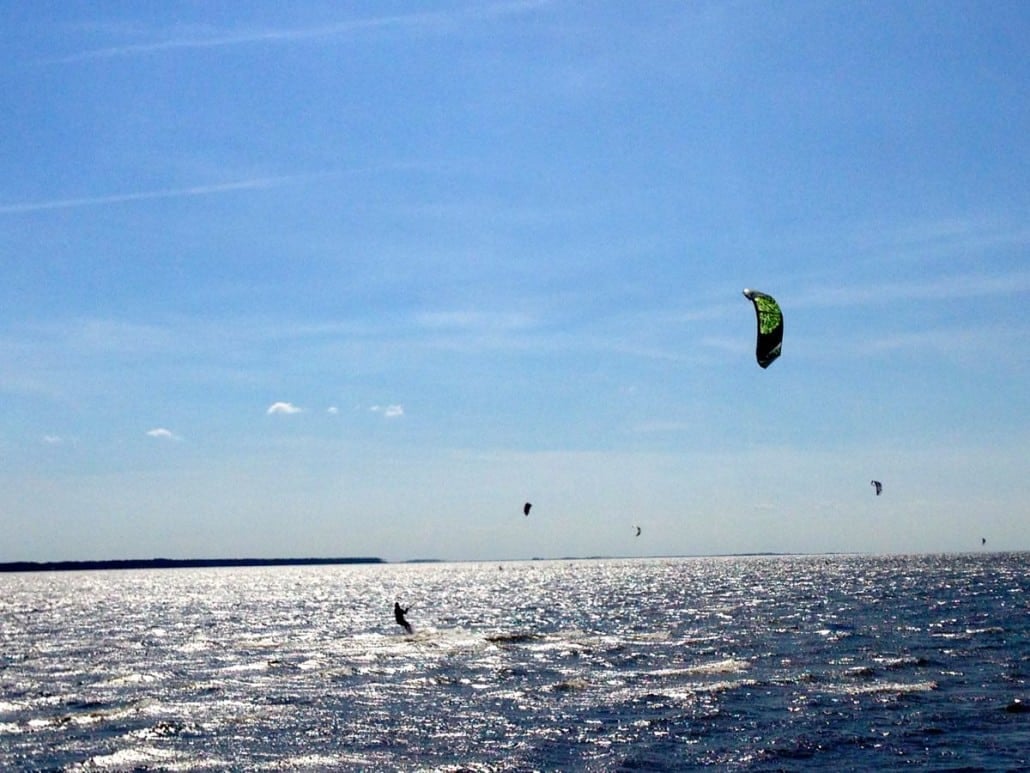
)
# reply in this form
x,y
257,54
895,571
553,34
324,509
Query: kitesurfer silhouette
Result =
x,y
398,614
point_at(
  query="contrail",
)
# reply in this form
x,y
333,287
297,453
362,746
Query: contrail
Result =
x,y
422,19
167,193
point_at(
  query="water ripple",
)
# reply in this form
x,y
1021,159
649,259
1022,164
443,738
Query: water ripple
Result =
x,y
743,663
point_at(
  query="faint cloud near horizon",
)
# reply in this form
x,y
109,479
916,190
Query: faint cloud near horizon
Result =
x,y
162,434
388,411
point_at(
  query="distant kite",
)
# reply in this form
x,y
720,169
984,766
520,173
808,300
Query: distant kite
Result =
x,y
770,327
638,530
876,485
525,508
983,540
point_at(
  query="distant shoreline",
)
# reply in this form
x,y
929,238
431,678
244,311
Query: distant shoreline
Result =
x,y
195,563
188,563
174,563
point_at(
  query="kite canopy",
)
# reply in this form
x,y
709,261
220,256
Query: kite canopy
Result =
x,y
525,508
876,485
770,327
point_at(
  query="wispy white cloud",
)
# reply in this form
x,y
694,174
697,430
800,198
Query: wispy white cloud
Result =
x,y
425,20
389,411
162,434
333,410
256,183
983,343
474,320
970,235
53,440
283,408
941,289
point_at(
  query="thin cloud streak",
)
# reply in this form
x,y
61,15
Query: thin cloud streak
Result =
x,y
947,288
257,183
944,341
401,21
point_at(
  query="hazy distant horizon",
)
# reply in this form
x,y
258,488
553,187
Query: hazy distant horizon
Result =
x,y
194,563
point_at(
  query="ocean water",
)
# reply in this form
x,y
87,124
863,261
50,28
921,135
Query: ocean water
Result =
x,y
749,663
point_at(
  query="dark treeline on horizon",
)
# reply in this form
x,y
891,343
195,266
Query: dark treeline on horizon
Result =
x,y
174,563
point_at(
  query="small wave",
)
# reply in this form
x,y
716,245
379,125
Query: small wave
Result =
x,y
166,728
899,662
572,684
197,645
699,639
724,685
681,693
668,672
726,666
834,634
888,687
310,762
261,642
804,677
654,636
513,638
132,759
260,665
82,718
135,678
10,728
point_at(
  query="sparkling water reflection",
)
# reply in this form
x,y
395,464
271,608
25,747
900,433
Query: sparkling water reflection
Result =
x,y
745,663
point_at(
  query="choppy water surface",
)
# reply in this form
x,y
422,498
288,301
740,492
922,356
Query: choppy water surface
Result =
x,y
742,663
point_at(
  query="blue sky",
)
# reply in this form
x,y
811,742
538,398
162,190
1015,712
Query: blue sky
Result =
x,y
361,278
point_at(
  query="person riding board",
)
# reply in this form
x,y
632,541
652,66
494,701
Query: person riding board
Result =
x,y
398,614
